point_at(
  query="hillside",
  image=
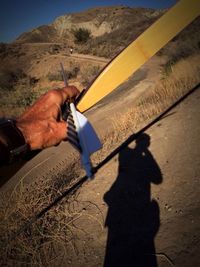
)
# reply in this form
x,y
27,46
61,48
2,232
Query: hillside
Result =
x,y
110,28
98,21
31,64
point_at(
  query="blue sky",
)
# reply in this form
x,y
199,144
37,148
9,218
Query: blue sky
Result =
x,y
18,16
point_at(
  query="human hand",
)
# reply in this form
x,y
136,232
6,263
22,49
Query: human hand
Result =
x,y
41,124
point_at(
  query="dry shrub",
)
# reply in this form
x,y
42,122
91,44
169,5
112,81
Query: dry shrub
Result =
x,y
53,237
88,73
57,76
14,103
185,75
82,35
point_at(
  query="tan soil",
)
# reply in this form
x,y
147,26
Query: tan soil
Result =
x,y
143,207
149,194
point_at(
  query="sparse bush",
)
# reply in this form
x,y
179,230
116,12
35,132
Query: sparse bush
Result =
x,y
57,76
25,99
167,68
54,49
13,102
81,35
89,73
73,73
33,80
10,77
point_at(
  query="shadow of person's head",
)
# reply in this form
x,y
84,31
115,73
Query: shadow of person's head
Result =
x,y
138,163
143,141
128,155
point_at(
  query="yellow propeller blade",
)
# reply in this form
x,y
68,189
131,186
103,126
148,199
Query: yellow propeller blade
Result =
x,y
140,50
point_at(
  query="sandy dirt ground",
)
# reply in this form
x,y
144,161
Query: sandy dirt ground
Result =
x,y
143,207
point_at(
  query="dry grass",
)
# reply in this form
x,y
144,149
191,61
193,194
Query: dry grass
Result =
x,y
88,73
53,235
57,235
14,102
184,75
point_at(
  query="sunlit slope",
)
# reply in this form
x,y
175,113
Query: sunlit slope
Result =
x,y
138,52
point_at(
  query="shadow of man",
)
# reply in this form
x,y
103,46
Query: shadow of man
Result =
x,y
133,217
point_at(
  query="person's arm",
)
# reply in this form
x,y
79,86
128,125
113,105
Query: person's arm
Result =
x,y
40,126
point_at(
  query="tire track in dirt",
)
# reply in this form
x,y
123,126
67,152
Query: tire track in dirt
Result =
x,y
94,59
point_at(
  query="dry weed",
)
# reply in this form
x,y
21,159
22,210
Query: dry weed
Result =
x,y
50,239
185,75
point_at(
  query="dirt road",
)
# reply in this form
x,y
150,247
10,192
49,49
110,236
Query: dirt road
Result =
x,y
94,59
143,208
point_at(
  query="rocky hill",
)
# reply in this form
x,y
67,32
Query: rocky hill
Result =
x,y
33,58
99,21
31,64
